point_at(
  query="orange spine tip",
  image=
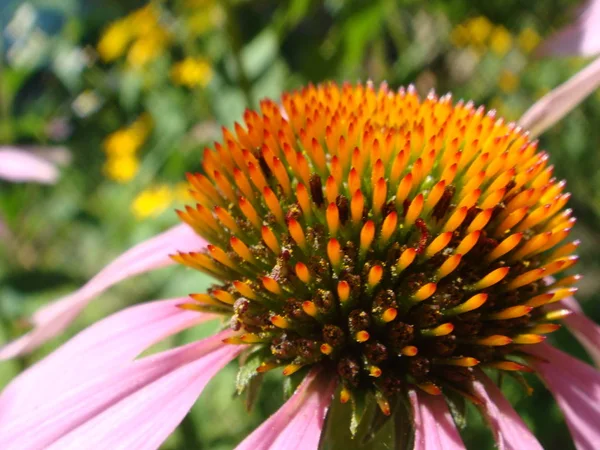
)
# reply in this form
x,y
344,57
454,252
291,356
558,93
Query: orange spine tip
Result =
x,y
481,220
563,293
491,278
353,180
374,277
430,388
234,340
528,339
424,292
504,247
414,210
375,371
567,281
495,340
409,350
389,315
265,367
242,183
282,176
379,195
333,219
470,199
438,244
404,188
223,296
384,405
331,189
540,300
362,336
291,369
510,313
326,349
251,338
270,240
545,328
334,252
558,314
455,220
527,278
468,243
310,308
302,272
250,213
204,299
257,176
532,246
471,304
345,395
367,234
271,285
273,204
219,255
244,290
297,234
357,206
241,249
226,219
511,220
493,199
388,227
343,290
406,258
460,362
448,266
303,200
509,366
434,196
280,322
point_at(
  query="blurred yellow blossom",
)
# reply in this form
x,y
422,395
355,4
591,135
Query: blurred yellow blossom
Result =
x,y
121,168
460,36
508,81
500,40
192,72
147,48
152,201
127,141
479,29
144,20
181,192
114,40
528,40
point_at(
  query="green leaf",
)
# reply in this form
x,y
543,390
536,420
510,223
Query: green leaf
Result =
x,y
359,406
458,408
253,389
248,369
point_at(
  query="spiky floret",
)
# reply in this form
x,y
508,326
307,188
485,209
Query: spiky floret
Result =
x,y
398,240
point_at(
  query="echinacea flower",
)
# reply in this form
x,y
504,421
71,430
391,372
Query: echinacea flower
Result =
x,y
379,246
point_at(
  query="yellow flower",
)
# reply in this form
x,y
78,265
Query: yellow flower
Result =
x,y
181,192
479,29
121,168
500,41
508,81
460,36
114,40
192,72
152,201
144,20
147,48
528,39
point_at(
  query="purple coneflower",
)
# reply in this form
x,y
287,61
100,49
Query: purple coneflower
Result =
x,y
374,244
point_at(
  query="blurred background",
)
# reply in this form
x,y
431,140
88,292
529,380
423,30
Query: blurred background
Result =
x,y
123,95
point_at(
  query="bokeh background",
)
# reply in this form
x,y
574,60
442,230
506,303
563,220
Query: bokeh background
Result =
x,y
123,95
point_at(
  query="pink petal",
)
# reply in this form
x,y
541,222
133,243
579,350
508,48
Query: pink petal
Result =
x,y
18,165
576,387
298,423
148,255
434,426
136,406
106,345
509,430
555,105
583,328
581,38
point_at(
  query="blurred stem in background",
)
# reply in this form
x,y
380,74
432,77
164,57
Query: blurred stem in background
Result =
x,y
235,41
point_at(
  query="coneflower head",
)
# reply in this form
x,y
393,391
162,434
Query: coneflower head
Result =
x,y
396,240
